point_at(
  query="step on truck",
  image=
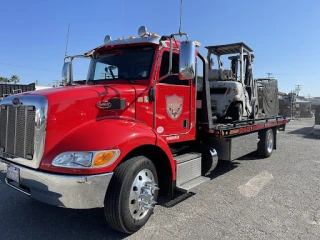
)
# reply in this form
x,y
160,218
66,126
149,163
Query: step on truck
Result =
x,y
136,128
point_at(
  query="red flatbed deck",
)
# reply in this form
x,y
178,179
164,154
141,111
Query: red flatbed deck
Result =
x,y
224,130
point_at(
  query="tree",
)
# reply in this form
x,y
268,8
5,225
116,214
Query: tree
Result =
x,y
15,79
4,80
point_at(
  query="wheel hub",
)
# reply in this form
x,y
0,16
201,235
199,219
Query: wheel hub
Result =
x,y
142,193
270,142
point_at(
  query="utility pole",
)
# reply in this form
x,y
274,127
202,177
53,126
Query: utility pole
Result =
x,y
308,96
293,104
298,88
269,74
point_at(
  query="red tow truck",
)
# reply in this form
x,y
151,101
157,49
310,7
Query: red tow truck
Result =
x,y
138,126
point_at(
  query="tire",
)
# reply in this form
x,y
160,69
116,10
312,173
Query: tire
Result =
x,y
266,143
254,114
122,202
236,112
221,119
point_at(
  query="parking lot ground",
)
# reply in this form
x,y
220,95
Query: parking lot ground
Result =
x,y
251,198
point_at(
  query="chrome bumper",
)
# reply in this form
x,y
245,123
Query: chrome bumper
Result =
x,y
69,191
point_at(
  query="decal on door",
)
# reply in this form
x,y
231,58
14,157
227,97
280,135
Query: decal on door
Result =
x,y
174,105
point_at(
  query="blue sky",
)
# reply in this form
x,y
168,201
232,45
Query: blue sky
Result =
x,y
284,34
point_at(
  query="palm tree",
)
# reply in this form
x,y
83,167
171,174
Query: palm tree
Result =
x,y
15,79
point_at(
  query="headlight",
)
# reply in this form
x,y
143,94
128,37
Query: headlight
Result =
x,y
86,159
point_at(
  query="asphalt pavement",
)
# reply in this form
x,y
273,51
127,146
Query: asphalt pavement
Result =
x,y
252,198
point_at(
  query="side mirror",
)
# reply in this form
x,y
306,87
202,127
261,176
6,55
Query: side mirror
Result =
x,y
66,73
187,60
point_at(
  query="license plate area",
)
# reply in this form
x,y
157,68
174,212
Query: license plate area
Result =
x,y
13,173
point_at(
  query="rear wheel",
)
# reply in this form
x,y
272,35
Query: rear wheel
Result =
x,y
266,143
254,114
131,195
236,112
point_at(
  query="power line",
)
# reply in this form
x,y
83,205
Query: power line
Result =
x,y
41,69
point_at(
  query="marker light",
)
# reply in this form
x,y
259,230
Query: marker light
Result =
x,y
105,157
132,37
154,35
197,44
107,39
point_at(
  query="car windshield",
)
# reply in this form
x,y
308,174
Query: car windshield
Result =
x,y
122,63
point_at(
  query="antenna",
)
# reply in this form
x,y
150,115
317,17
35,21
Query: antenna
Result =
x,y
65,54
180,17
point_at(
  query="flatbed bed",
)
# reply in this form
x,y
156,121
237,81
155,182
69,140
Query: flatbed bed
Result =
x,y
228,129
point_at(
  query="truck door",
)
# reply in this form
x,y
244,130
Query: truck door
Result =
x,y
173,106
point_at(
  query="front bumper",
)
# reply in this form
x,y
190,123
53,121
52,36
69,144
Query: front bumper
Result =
x,y
69,191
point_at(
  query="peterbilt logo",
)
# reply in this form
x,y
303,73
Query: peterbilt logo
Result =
x,y
104,104
174,105
16,102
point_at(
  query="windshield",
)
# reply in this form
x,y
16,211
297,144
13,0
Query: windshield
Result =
x,y
122,63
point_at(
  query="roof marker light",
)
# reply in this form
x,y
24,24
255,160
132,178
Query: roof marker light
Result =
x,y
197,44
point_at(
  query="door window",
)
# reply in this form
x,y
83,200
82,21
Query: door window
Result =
x,y
164,68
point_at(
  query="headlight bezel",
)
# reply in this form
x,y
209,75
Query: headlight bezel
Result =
x,y
72,154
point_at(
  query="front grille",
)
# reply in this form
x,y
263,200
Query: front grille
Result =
x,y
17,125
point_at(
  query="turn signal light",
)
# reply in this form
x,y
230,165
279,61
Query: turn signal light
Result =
x,y
102,158
154,35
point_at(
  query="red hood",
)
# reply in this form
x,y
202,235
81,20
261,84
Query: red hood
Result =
x,y
72,106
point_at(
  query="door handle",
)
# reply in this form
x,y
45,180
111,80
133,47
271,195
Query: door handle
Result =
x,y
185,123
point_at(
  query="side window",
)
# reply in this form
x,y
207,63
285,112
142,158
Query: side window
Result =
x,y
164,68
199,74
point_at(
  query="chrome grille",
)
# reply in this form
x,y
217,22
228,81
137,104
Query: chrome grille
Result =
x,y
17,126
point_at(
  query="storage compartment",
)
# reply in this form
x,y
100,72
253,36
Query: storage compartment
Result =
x,y
232,148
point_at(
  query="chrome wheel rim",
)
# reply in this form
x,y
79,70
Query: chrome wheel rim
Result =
x,y
270,142
142,193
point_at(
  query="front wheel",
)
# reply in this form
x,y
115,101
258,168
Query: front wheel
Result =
x,y
131,195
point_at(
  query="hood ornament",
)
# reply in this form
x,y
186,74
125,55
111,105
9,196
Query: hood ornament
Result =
x,y
16,102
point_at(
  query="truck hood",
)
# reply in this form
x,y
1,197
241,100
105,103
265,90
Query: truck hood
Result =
x,y
70,107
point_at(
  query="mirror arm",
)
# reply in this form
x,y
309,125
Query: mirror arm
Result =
x,y
71,72
170,57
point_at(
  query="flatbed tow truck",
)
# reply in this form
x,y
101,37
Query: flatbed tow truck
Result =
x,y
138,126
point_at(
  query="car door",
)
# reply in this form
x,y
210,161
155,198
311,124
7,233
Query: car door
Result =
x,y
173,105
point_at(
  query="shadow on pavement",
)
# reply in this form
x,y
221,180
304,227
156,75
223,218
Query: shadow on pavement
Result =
x,y
306,132
222,168
31,219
